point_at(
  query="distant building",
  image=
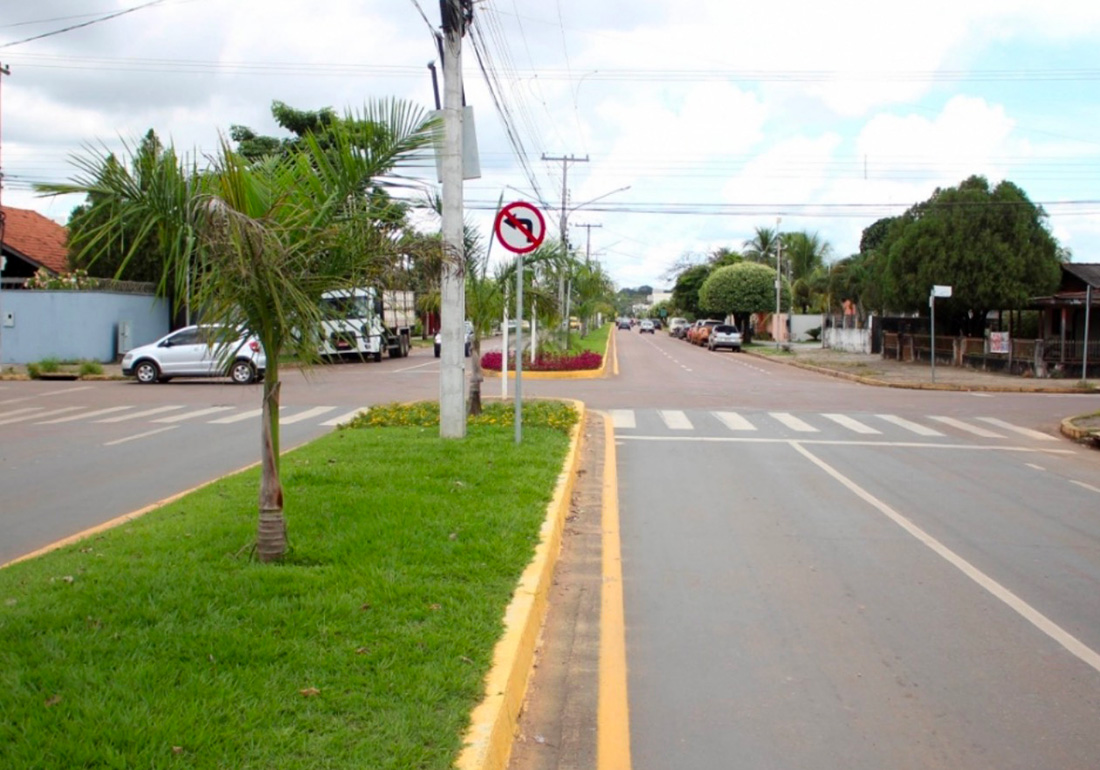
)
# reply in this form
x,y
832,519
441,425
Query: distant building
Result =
x,y
29,242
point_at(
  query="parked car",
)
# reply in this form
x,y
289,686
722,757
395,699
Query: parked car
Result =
x,y
693,331
624,323
646,326
677,327
703,333
469,339
208,350
657,324
725,336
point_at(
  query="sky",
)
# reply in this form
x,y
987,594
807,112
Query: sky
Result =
x,y
692,122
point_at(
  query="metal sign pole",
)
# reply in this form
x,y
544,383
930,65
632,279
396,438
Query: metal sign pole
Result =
x,y
1085,351
932,304
519,350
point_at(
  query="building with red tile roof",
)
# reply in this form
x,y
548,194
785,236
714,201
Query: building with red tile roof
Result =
x,y
31,241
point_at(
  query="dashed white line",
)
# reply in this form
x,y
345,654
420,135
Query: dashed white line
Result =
x,y
307,414
347,417
140,435
852,424
36,415
792,422
734,421
1083,485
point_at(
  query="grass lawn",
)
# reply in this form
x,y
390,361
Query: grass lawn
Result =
x,y
163,644
595,340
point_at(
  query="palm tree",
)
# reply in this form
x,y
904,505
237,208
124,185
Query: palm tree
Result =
x,y
805,252
260,240
761,247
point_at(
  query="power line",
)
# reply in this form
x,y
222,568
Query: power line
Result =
x,y
84,24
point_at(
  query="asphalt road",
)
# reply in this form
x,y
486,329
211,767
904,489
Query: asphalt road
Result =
x,y
820,575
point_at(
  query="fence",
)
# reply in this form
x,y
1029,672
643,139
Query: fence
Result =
x,y
1037,358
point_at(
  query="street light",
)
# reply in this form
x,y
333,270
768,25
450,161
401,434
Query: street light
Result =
x,y
778,278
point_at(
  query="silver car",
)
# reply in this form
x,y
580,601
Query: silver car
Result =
x,y
724,336
197,351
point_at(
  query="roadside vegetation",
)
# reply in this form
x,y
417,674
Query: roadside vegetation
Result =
x,y
164,643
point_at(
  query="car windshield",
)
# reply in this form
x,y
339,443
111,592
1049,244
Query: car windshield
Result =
x,y
339,308
724,329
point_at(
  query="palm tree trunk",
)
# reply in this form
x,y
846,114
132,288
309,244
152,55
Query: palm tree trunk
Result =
x,y
477,378
271,535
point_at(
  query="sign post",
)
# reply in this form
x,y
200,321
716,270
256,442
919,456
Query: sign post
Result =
x,y
520,228
937,291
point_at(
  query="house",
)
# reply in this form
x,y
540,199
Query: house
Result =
x,y
1069,316
30,241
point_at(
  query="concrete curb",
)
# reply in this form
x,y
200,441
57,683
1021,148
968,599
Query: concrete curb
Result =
x,y
487,744
910,385
1081,435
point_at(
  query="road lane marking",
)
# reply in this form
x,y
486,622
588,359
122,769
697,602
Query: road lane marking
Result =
x,y
613,706
965,426
1071,643
1083,485
24,410
140,435
623,418
316,411
1031,449
85,415
43,395
1017,429
237,417
675,419
1035,467
36,415
852,424
348,417
144,413
792,422
912,427
195,414
734,421
413,368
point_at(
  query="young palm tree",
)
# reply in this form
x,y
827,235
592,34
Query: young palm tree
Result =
x,y
762,246
261,240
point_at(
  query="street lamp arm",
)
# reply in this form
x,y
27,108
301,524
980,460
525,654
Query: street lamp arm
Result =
x,y
597,198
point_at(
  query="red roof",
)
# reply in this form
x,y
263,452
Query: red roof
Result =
x,y
36,238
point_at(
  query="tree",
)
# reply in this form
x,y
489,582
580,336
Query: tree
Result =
x,y
762,246
991,245
262,240
803,253
741,289
685,292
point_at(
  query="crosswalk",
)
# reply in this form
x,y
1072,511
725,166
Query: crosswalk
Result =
x,y
819,425
172,414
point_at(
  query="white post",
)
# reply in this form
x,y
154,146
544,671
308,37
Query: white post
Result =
x,y
452,369
518,416
534,332
778,280
932,305
504,353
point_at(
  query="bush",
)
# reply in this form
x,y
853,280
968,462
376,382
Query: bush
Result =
x,y
34,371
814,333
90,367
49,365
547,362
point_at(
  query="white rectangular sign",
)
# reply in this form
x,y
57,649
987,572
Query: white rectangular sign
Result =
x,y
941,291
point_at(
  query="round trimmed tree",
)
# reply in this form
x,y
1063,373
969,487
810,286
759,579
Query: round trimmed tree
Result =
x,y
742,289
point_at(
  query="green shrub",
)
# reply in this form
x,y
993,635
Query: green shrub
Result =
x,y
49,365
90,367
34,371
814,333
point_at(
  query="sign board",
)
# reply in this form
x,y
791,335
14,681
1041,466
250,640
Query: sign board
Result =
x,y
520,227
999,342
941,291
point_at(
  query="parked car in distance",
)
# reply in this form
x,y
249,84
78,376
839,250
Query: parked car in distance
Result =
x,y
469,340
624,323
703,334
725,336
646,326
208,350
677,327
657,324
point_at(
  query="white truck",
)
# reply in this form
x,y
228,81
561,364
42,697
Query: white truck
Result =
x,y
363,323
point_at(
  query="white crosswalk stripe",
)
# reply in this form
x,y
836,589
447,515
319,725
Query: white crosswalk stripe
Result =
x,y
675,419
792,422
194,415
965,426
85,415
1017,429
143,413
347,417
623,418
249,415
37,414
913,427
308,414
734,421
852,424
24,410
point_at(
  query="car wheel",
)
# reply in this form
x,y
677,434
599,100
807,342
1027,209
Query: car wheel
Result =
x,y
467,350
437,351
147,372
242,372
377,356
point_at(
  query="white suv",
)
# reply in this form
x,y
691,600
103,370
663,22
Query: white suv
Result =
x,y
197,351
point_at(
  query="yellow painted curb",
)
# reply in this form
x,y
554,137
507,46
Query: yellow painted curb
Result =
x,y
612,710
488,740
1072,431
580,374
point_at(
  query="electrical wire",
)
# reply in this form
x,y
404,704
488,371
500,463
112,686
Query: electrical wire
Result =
x,y
97,20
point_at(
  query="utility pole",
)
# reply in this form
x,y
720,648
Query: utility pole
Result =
x,y
456,15
588,241
4,70
565,161
778,277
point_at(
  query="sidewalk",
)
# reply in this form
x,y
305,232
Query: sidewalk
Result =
x,y
873,369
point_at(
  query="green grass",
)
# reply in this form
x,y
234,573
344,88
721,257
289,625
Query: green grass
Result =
x,y
162,644
595,340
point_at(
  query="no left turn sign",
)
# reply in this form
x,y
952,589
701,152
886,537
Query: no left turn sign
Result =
x,y
520,227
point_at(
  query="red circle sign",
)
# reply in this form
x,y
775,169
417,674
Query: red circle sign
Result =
x,y
520,227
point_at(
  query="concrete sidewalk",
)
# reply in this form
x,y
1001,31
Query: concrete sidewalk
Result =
x,y
876,370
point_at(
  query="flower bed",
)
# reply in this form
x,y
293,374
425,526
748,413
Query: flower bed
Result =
x,y
546,362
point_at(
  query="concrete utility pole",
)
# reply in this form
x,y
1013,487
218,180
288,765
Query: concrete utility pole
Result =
x,y
778,278
452,363
3,260
565,161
